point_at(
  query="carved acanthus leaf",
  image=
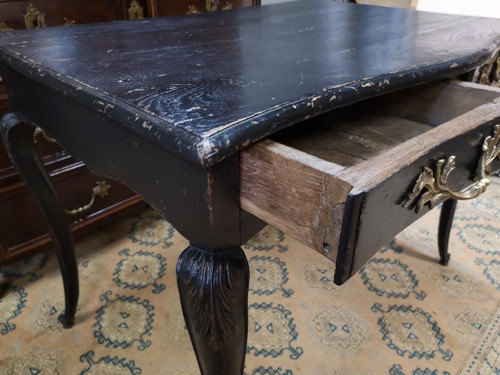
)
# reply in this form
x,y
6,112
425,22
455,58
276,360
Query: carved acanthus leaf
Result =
x,y
212,293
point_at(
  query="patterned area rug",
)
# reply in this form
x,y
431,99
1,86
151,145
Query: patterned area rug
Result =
x,y
402,314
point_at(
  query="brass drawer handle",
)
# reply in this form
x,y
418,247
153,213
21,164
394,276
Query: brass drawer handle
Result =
x,y
490,73
101,190
39,131
33,19
432,187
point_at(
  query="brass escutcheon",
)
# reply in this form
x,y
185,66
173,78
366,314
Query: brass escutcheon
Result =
x,y
211,5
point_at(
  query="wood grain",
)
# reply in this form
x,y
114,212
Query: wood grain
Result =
x,y
349,136
372,172
300,180
436,103
294,191
206,86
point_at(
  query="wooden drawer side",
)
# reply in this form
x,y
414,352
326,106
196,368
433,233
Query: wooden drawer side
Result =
x,y
370,173
371,153
296,192
384,214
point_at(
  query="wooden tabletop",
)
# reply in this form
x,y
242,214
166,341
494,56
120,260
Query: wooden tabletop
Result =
x,y
205,86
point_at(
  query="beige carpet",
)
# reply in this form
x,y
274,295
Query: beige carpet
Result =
x,y
403,314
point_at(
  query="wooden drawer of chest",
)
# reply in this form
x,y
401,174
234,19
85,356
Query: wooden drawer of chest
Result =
x,y
23,231
339,182
58,13
22,228
169,8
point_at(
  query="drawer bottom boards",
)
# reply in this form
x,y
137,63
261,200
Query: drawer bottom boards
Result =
x,y
339,182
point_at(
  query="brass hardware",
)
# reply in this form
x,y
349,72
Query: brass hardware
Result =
x,y
435,188
101,190
228,6
135,12
4,27
192,9
68,22
211,5
33,19
40,131
490,73
491,151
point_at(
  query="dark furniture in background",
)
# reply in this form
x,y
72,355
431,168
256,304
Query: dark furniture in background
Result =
x,y
22,229
18,14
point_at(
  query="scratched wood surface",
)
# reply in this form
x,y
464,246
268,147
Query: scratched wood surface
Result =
x,y
206,86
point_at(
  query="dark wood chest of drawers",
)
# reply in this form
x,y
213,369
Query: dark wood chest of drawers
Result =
x,y
22,229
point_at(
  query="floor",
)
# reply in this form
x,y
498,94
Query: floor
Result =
x,y
402,314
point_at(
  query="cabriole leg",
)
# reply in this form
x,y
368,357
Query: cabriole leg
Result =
x,y
213,288
18,138
445,222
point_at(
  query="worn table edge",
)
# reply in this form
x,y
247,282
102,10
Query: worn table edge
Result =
x,y
217,145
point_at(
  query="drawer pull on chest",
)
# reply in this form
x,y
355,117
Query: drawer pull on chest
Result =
x,y
432,186
39,131
101,190
33,19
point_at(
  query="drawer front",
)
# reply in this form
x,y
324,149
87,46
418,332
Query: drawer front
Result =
x,y
57,13
170,8
388,207
338,182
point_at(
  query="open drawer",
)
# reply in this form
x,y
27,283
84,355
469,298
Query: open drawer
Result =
x,y
342,182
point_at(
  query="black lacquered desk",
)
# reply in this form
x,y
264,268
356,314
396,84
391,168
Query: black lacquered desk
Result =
x,y
175,107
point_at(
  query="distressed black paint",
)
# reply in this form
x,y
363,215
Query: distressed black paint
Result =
x,y
445,223
214,295
205,86
19,143
162,104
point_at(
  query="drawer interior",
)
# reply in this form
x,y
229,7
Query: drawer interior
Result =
x,y
301,179
350,135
